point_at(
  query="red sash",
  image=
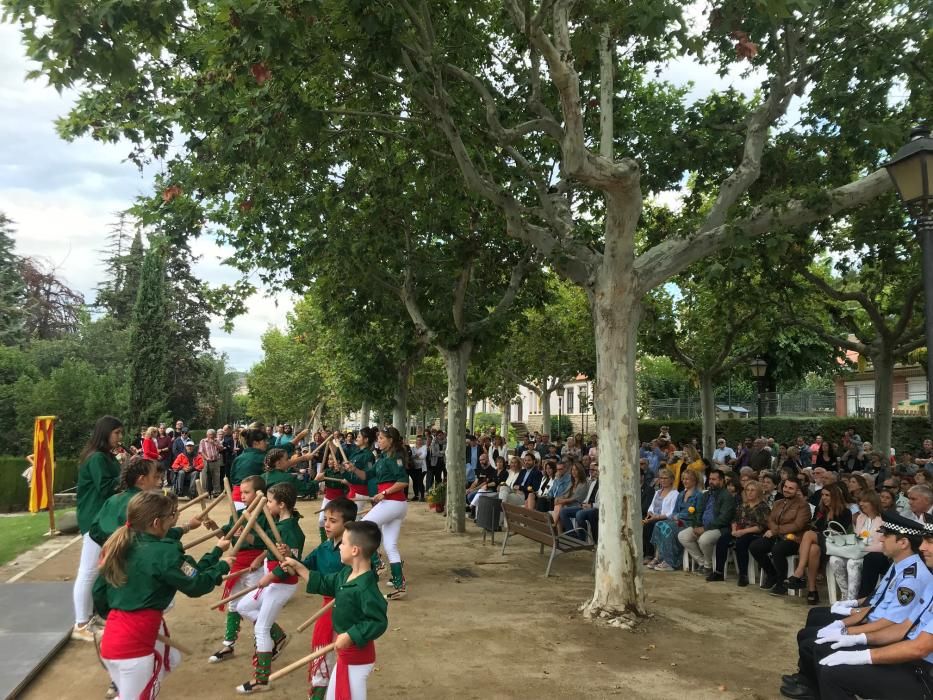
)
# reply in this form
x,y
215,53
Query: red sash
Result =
x,y
322,635
131,635
358,490
397,496
242,561
235,492
331,493
353,656
272,565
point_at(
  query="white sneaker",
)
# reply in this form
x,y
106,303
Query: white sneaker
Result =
x,y
112,691
83,633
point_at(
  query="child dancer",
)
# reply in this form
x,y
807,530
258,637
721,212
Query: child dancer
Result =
x,y
98,477
325,559
359,614
358,471
276,586
389,504
332,490
277,465
250,461
249,557
140,572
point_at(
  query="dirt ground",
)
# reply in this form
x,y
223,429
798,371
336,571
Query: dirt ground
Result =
x,y
473,629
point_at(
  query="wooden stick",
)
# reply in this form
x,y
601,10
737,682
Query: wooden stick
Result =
x,y
229,491
342,453
210,506
302,663
234,574
272,525
202,539
196,499
314,618
253,516
219,532
269,543
339,481
171,642
224,601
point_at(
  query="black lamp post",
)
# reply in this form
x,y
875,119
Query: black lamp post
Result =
x,y
759,367
560,412
911,170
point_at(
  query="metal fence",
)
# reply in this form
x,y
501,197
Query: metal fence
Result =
x,y
797,403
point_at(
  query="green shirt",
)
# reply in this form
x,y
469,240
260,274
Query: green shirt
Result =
x,y
285,442
362,459
113,515
390,469
292,537
325,558
97,481
277,477
359,607
155,570
249,463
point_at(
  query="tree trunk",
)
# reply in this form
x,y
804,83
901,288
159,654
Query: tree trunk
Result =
x,y
364,415
708,412
545,396
504,424
456,361
400,407
883,364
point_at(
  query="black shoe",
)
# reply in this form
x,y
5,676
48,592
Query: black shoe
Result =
x,y
715,576
743,581
798,692
769,581
795,583
778,589
795,679
813,598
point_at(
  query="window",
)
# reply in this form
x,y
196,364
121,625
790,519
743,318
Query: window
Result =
x,y
568,399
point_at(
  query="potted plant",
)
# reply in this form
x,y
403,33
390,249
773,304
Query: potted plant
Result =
x,y
437,496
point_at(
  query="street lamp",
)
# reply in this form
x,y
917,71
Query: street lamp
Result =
x,y
560,413
911,170
759,367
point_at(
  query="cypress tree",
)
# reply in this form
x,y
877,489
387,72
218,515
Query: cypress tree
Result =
x,y
12,290
149,342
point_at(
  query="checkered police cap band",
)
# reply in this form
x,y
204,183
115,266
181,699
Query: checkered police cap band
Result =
x,y
915,530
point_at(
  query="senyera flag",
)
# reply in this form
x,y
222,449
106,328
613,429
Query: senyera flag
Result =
x,y
43,473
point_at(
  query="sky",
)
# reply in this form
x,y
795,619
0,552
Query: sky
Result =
x,y
63,196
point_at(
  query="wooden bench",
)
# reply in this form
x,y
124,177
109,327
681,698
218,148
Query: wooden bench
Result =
x,y
540,528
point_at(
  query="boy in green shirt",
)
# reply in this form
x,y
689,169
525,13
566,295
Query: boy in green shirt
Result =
x,y
359,613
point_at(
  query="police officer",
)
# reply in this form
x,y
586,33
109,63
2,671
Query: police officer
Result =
x,y
901,595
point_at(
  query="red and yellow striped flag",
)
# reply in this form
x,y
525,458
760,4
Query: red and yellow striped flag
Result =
x,y
43,472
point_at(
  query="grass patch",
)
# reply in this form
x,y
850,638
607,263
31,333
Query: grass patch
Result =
x,y
19,533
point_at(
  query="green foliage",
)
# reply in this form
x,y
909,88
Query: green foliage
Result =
x,y
660,377
908,432
149,342
117,294
561,429
283,385
12,291
482,422
14,491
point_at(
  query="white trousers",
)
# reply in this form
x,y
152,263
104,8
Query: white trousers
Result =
x,y
358,675
322,674
243,581
84,580
388,515
320,520
131,676
262,607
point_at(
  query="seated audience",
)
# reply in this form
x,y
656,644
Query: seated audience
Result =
x,y
787,522
750,522
711,517
668,552
833,508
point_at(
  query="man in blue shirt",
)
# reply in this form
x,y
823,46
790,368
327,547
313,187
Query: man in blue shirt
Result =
x,y
559,488
472,458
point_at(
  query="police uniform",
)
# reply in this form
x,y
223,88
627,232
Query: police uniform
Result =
x,y
903,593
389,513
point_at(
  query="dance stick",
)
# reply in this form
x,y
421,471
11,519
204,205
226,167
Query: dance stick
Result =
x,y
224,601
219,532
196,499
311,620
229,491
330,478
301,663
269,543
342,453
204,538
170,642
272,525
253,516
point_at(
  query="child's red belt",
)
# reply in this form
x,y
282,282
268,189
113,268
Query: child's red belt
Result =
x,y
272,565
352,656
331,493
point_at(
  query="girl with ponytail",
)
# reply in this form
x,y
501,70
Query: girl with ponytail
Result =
x,y
390,504
359,469
140,572
251,461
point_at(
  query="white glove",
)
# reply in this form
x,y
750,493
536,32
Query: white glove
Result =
x,y
833,636
836,626
850,640
849,658
844,607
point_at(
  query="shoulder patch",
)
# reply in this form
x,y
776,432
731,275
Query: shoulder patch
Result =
x,y
399,462
905,595
190,571
911,571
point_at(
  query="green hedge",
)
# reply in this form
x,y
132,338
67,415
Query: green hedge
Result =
x,y
14,491
907,432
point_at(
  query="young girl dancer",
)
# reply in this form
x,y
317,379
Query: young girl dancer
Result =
x,y
332,489
140,573
389,504
250,462
277,586
98,477
358,471
249,557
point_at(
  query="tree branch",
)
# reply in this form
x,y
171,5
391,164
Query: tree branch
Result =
x,y
907,312
673,255
505,302
460,296
860,298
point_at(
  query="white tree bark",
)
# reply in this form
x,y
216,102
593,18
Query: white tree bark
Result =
x,y
456,361
883,365
708,408
364,414
545,397
400,407
505,421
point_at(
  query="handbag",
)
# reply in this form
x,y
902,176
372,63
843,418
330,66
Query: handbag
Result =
x,y
840,543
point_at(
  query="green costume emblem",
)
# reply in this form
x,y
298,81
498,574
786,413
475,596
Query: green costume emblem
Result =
x,y
905,595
